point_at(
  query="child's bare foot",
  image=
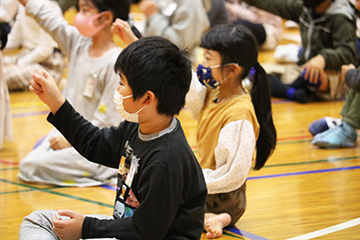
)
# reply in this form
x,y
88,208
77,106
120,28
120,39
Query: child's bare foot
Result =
x,y
214,224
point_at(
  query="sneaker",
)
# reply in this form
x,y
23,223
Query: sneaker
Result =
x,y
342,136
323,124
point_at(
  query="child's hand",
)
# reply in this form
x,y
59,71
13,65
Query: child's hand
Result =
x,y
148,7
68,229
345,69
59,142
315,69
23,2
123,30
44,86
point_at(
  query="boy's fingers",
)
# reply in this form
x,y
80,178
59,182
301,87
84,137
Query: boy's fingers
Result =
x,y
58,223
33,90
306,76
36,78
45,73
312,76
35,85
67,213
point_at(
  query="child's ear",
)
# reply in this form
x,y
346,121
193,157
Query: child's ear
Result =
x,y
148,97
107,18
235,70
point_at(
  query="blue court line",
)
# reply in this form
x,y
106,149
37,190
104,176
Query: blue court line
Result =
x,y
277,175
312,162
304,172
245,234
108,187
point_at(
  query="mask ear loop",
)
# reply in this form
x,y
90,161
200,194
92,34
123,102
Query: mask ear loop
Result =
x,y
226,64
98,18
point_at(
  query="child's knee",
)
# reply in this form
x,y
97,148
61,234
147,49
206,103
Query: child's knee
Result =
x,y
40,216
38,224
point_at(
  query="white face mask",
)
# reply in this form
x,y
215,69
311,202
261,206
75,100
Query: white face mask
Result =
x,y
131,117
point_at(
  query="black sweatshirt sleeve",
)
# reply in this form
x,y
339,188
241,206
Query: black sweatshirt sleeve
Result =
x,y
97,145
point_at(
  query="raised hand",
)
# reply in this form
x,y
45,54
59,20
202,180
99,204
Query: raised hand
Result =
x,y
44,86
122,29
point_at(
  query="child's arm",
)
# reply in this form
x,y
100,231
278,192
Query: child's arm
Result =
x,y
195,98
288,9
63,33
44,86
185,26
237,141
343,49
123,30
97,145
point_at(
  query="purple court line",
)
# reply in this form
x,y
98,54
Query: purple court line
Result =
x,y
18,115
304,172
245,234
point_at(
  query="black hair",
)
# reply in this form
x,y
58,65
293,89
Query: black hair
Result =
x,y
236,44
312,3
4,31
119,8
156,64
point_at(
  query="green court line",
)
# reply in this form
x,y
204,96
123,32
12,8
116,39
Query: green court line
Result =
x,y
293,142
57,193
6,169
19,191
28,190
232,235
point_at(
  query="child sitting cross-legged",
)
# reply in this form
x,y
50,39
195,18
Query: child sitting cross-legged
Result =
x,y
161,190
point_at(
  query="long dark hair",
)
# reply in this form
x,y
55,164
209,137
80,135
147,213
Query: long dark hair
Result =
x,y
236,44
119,8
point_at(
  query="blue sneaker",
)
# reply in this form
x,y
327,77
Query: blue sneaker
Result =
x,y
323,124
342,136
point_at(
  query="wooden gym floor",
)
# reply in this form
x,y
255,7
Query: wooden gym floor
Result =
x,y
302,192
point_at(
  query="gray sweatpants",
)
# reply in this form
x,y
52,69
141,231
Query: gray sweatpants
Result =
x,y
38,225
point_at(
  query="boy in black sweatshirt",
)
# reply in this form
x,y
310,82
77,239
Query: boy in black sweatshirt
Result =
x,y
161,190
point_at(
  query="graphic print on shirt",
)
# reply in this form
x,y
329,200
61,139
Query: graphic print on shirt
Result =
x,y
126,201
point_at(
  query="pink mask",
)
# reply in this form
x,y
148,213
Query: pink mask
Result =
x,y
85,25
